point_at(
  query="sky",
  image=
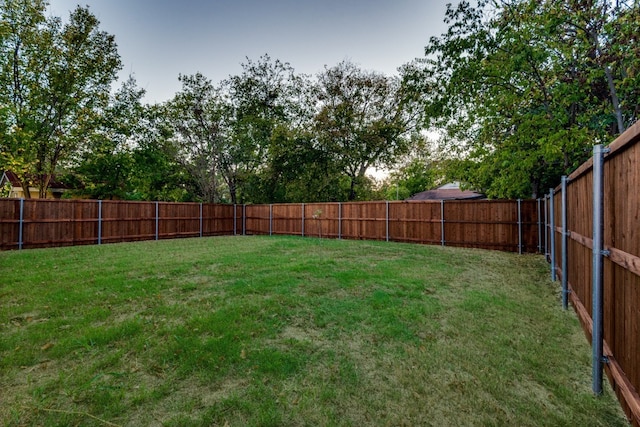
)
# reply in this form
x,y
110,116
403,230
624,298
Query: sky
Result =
x,y
160,39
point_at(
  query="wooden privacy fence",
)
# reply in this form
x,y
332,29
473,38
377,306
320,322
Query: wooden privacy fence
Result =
x,y
38,223
501,225
592,239
511,225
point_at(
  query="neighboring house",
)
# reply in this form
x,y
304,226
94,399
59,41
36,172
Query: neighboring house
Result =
x,y
450,191
10,180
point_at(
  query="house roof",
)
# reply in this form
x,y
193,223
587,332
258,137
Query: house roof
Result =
x,y
15,182
450,191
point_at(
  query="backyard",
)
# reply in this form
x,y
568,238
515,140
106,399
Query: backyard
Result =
x,y
289,331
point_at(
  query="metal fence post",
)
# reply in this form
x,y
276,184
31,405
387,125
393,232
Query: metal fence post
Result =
x,y
235,219
200,219
21,225
598,253
303,220
565,278
519,227
387,220
546,228
270,219
157,221
442,221
552,235
99,222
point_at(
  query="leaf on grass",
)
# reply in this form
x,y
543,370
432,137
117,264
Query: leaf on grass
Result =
x,y
47,346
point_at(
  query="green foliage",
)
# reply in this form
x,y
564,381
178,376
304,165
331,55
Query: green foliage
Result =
x,y
192,127
267,96
525,88
361,121
417,175
54,84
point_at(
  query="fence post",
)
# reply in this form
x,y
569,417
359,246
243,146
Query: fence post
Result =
x,y
546,228
598,253
99,222
387,220
519,227
303,220
442,221
200,219
235,219
157,221
565,278
339,220
539,227
270,219
21,224
244,220
552,235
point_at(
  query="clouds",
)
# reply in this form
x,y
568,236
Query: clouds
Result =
x,y
159,39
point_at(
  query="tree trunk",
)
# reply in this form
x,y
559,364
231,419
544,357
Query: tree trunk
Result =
x,y
352,189
614,99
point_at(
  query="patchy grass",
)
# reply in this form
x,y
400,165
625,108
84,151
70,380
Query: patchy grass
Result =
x,y
289,331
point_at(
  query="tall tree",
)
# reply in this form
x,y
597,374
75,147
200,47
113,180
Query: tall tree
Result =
x,y
361,120
193,123
524,88
267,95
55,80
105,165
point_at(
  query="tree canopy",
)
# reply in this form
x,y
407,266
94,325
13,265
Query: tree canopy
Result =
x,y
524,88
519,91
55,80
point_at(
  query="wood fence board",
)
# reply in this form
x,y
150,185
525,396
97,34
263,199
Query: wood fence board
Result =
x,y
9,217
621,278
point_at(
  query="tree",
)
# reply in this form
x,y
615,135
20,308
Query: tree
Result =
x,y
105,165
267,95
361,120
54,82
524,88
193,125
300,170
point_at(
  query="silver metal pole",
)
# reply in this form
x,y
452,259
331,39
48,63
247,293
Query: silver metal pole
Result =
x,y
21,225
200,219
539,227
552,236
270,220
99,222
519,227
303,220
157,221
339,220
387,220
565,275
598,253
546,228
442,221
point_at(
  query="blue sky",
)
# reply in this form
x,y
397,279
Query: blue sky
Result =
x,y
160,39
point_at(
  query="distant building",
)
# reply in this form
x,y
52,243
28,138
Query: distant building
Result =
x,y
15,190
450,191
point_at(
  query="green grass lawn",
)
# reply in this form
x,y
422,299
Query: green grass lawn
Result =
x,y
289,331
